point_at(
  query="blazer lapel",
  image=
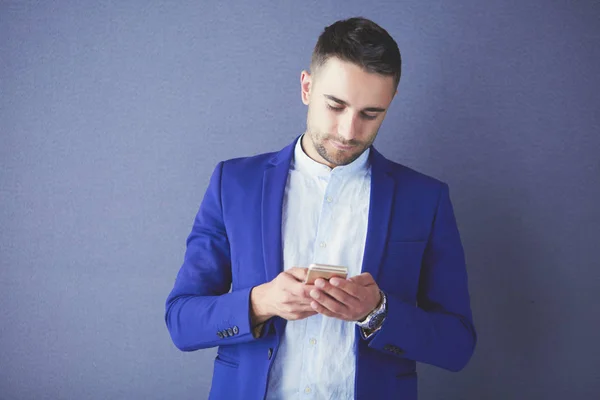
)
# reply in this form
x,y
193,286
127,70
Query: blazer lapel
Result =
x,y
274,182
380,208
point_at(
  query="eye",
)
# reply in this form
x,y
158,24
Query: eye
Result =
x,y
367,116
333,108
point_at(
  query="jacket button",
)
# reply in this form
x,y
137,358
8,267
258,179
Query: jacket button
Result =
x,y
220,335
236,330
230,332
270,353
224,332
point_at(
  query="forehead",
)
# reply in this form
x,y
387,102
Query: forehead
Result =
x,y
351,83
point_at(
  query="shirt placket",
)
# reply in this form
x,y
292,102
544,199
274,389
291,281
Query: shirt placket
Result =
x,y
328,184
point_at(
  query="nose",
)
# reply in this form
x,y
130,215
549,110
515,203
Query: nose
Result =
x,y
348,125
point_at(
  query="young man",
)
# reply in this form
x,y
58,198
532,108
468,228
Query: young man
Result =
x,y
327,198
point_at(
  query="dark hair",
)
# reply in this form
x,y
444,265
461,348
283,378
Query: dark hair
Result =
x,y
361,42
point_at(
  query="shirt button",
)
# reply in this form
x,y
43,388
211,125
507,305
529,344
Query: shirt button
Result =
x,y
307,390
329,199
313,341
323,244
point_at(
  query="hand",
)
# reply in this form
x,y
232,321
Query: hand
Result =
x,y
285,296
347,299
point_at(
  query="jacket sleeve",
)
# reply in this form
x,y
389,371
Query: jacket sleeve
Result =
x,y
200,310
439,330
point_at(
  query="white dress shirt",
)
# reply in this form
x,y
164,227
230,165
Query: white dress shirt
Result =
x,y
324,220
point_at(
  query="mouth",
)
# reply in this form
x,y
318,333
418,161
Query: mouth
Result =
x,y
339,146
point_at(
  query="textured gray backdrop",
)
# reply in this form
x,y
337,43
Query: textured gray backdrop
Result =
x,y
113,115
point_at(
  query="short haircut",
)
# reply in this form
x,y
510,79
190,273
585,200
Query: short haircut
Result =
x,y
361,42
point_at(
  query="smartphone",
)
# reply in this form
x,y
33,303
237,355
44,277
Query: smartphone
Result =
x,y
324,271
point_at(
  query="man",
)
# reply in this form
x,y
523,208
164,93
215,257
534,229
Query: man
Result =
x,y
327,198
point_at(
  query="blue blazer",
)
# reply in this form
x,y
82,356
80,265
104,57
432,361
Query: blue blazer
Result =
x,y
413,250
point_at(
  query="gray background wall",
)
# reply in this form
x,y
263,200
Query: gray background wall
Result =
x,y
113,114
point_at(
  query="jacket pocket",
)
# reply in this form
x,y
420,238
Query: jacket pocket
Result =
x,y
226,362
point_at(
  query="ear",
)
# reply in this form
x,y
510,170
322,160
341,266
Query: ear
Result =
x,y
305,86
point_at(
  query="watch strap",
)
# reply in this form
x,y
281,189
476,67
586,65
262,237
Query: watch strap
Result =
x,y
377,315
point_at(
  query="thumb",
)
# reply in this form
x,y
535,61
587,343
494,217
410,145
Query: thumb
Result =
x,y
297,272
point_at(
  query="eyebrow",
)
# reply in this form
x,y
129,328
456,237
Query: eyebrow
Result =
x,y
340,101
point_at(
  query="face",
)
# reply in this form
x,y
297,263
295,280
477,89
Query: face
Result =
x,y
346,106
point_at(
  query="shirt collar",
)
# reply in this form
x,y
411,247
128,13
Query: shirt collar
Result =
x,y
304,163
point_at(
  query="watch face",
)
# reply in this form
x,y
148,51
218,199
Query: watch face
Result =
x,y
375,321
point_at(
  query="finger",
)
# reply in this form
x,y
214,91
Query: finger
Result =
x,y
329,302
301,308
286,278
296,292
300,289
364,279
300,315
338,294
292,309
306,314
297,272
323,310
305,290
296,301
348,286
289,282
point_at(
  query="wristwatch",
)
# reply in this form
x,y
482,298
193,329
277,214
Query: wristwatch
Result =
x,y
375,318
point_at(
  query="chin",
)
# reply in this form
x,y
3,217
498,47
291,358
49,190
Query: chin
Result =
x,y
338,157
